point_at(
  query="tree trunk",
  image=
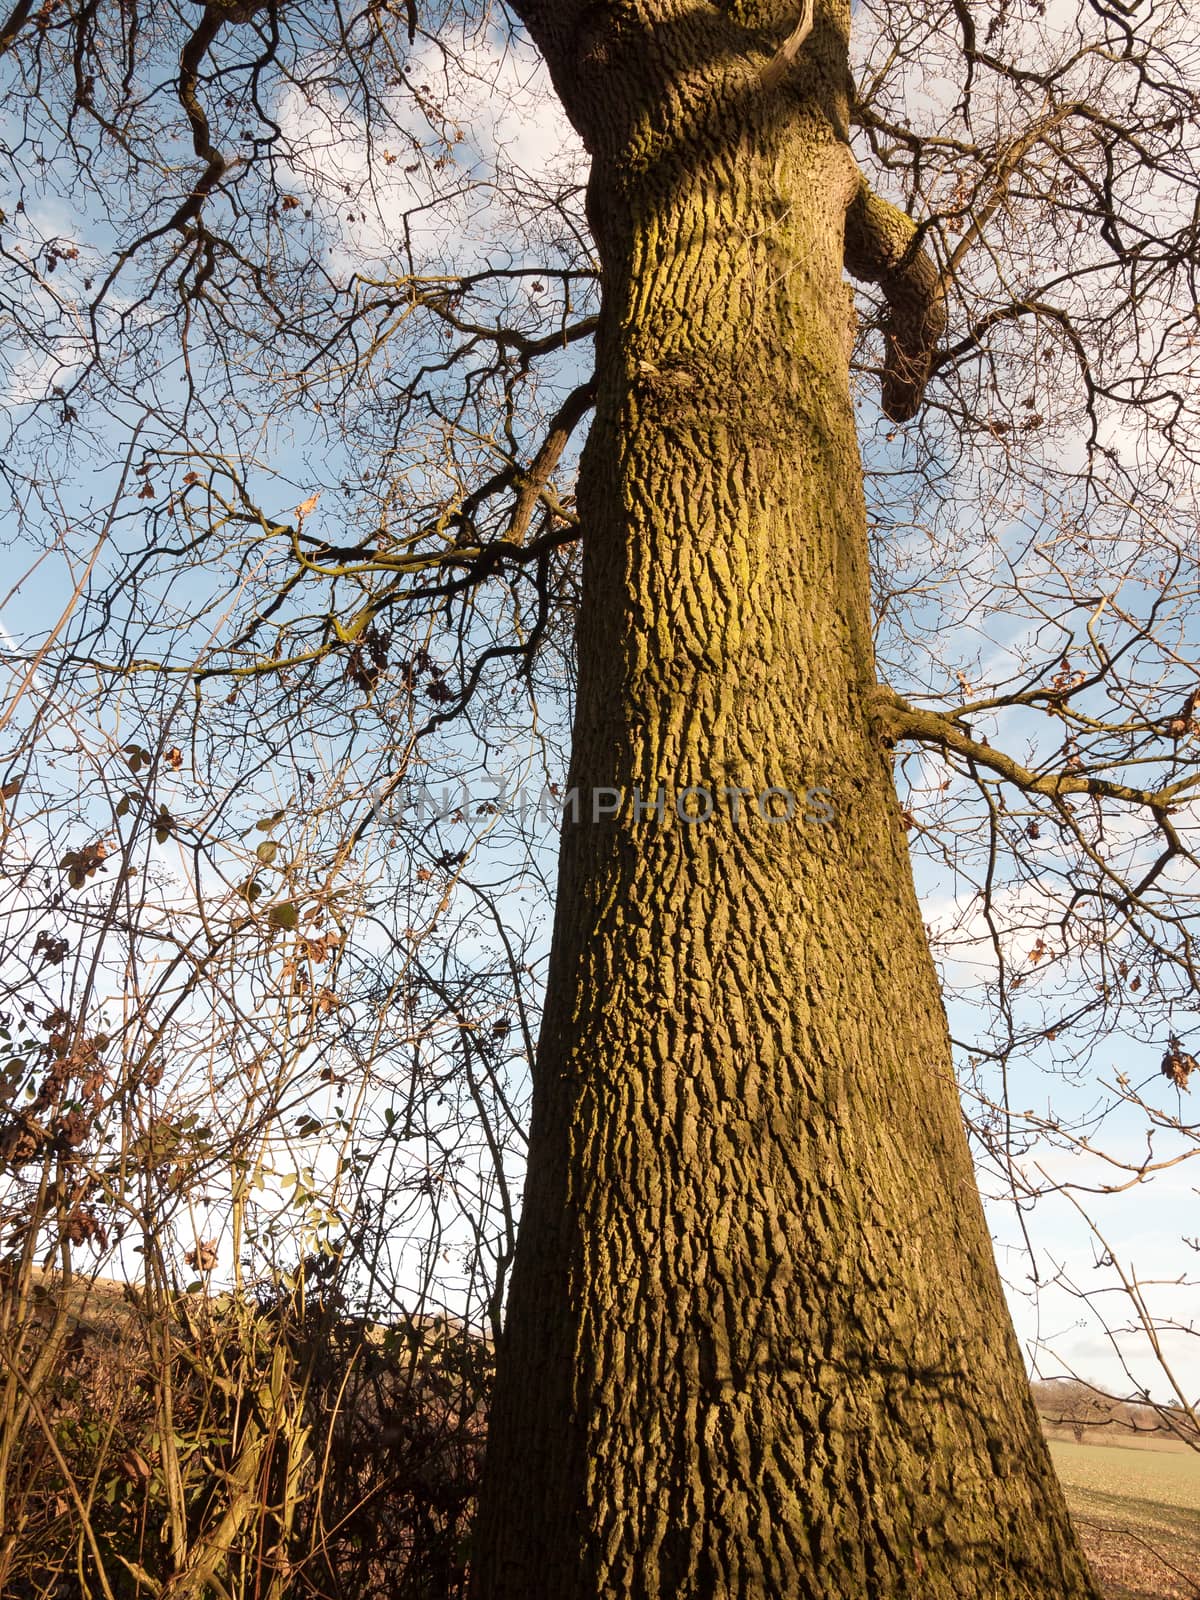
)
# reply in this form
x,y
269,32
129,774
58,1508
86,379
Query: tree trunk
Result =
x,y
756,1343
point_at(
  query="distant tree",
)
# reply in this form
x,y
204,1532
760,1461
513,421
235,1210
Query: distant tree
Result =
x,y
1071,1404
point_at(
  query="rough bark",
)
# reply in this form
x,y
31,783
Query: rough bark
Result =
x,y
756,1344
883,246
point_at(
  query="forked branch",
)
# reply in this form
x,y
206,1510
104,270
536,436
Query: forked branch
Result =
x,y
896,719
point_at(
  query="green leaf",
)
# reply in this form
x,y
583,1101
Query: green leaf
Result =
x,y
267,851
285,916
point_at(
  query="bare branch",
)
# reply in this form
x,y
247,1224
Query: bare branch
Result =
x,y
776,69
883,246
897,719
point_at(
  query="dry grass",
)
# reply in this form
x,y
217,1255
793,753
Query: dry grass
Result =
x,y
1138,1514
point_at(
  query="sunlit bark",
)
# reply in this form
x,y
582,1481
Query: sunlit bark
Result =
x,y
756,1343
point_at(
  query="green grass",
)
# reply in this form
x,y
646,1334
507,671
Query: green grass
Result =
x,y
1138,1514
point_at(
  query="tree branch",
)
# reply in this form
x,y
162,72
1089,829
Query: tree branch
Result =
x,y
16,20
532,484
883,246
896,719
775,70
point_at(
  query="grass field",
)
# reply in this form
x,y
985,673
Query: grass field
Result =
x,y
1138,1514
